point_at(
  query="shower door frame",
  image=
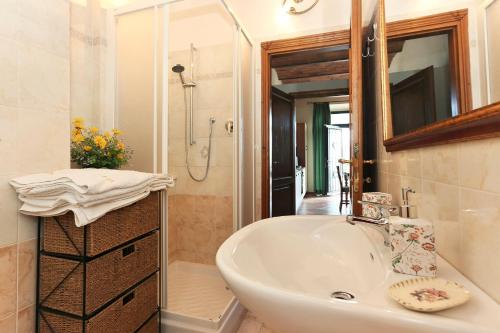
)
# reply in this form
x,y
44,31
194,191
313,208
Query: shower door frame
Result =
x,y
111,117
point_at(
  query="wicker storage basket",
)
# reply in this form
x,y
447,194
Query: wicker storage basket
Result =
x,y
106,276
151,326
61,235
124,315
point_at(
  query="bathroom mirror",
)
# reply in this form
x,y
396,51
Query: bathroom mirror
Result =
x,y
421,81
438,93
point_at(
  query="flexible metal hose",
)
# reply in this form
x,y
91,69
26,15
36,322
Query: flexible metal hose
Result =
x,y
212,121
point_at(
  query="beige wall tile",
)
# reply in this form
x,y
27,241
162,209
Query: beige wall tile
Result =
x,y
26,320
46,152
8,68
8,277
480,221
224,151
43,79
9,19
27,227
382,182
8,139
383,158
26,273
478,165
33,9
397,163
440,163
394,188
8,212
459,194
34,135
414,163
198,225
440,205
8,324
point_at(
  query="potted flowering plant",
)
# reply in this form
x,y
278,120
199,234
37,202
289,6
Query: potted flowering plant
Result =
x,y
92,149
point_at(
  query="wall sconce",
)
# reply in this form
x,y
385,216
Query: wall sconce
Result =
x,y
298,7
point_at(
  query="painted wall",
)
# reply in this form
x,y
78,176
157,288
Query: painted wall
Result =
x,y
304,114
34,136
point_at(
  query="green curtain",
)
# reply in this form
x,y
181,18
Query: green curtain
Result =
x,y
321,117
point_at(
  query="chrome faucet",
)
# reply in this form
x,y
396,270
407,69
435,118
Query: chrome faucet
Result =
x,y
380,224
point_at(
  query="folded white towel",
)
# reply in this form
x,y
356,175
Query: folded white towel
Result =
x,y
85,181
83,215
89,193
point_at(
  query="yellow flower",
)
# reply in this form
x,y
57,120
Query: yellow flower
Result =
x,y
107,135
119,156
78,123
100,141
117,131
78,138
94,130
76,131
120,145
87,148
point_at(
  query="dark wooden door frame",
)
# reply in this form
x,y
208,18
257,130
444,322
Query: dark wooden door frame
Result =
x,y
268,49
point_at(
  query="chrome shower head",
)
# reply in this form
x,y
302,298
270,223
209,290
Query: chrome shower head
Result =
x,y
178,68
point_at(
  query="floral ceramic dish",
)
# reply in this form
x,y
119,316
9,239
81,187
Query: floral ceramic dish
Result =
x,y
429,294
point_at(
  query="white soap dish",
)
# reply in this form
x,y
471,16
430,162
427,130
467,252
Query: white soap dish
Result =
x,y
428,294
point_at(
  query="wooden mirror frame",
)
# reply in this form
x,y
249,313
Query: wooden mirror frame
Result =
x,y
469,124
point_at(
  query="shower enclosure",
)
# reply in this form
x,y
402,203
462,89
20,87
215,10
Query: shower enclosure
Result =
x,y
180,73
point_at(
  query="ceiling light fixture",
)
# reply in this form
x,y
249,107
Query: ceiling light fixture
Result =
x,y
298,7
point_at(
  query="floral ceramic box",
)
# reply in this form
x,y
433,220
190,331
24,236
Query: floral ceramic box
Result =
x,y
413,247
375,197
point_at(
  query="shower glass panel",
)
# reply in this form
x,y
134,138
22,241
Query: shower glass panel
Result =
x,y
139,87
183,95
247,132
202,100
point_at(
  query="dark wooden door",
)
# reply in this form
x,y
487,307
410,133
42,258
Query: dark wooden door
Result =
x,y
413,102
283,154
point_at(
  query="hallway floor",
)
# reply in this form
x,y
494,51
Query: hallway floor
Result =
x,y
327,205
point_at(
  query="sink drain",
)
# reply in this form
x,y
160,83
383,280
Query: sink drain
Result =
x,y
343,295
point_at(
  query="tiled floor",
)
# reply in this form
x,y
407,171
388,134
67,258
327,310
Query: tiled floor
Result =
x,y
252,325
328,205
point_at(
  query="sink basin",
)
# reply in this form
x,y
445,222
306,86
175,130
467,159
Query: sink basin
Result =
x,y
287,269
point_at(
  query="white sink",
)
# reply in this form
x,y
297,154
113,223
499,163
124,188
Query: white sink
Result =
x,y
285,269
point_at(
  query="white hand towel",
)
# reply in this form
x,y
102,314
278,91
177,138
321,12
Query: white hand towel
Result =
x,y
83,215
89,193
85,181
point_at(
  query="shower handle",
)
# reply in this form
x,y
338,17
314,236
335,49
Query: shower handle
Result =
x,y
191,95
191,120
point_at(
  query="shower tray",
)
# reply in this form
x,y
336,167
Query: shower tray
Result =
x,y
199,301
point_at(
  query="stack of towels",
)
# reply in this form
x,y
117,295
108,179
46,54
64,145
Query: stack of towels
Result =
x,y
88,193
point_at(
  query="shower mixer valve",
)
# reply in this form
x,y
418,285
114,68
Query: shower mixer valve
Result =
x,y
229,126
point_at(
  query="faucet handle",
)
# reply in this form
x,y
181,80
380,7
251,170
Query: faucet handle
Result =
x,y
385,210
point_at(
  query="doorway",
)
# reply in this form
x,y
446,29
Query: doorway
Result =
x,y
312,73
